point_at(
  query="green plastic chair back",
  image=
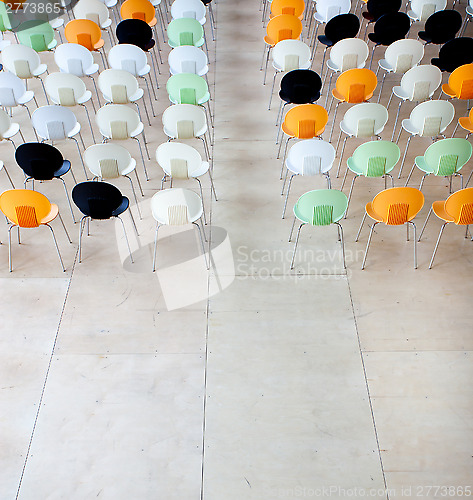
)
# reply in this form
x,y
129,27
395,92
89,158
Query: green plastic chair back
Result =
x,y
8,21
37,34
187,88
185,31
321,207
374,158
445,157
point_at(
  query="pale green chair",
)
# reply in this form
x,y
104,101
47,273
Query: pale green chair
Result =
x,y
373,159
185,31
8,20
320,207
189,88
37,34
443,158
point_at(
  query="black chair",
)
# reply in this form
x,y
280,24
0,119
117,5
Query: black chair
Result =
x,y
441,27
389,28
377,8
299,86
43,162
100,201
454,53
338,28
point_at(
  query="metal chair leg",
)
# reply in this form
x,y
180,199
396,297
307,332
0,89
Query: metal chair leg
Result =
x,y
57,248
126,237
295,245
361,226
368,245
437,244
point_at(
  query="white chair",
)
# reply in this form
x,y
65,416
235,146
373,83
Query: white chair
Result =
x,y
363,120
349,53
466,20
119,122
3,43
324,11
188,59
427,119
8,129
417,84
96,11
57,123
308,158
77,60
186,121
286,56
111,161
13,92
133,59
181,161
399,57
121,87
24,62
189,8
421,10
177,207
67,90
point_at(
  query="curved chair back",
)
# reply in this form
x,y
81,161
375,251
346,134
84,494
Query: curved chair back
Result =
x,y
283,27
310,157
349,53
84,32
390,27
454,53
305,121
461,82
187,88
376,158
404,54
398,205
431,118
459,205
326,9
97,200
117,121
291,54
64,88
300,86
135,32
109,160
24,207
12,89
420,82
377,8
342,26
448,156
421,10
53,122
21,60
188,59
184,121
39,160
128,57
321,207
291,7
94,10
185,31
117,85
178,160
188,8
356,85
75,59
138,9
441,26
365,119
37,34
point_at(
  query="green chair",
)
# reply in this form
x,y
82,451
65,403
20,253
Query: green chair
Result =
x,y
185,31
443,158
189,88
8,19
320,207
37,34
372,159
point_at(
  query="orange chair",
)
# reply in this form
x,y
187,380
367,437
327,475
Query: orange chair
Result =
x,y
460,83
457,208
353,86
305,121
465,122
86,33
27,208
291,7
282,27
394,207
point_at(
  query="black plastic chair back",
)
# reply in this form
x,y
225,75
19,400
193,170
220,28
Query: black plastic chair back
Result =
x,y
135,32
441,26
377,8
390,27
454,53
98,200
340,27
300,86
39,160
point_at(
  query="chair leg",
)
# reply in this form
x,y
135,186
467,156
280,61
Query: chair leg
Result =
x,y
202,197
134,195
81,230
9,178
340,229
437,244
415,242
199,230
68,199
404,156
287,195
155,246
295,245
425,224
410,174
142,157
333,122
57,248
126,237
212,186
9,248
361,226
90,123
80,155
341,155
349,194
395,123
368,245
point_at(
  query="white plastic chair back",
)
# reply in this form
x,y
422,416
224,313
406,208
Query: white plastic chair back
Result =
x,y
75,59
128,58
423,9
11,89
117,121
310,157
327,9
188,8
365,119
431,118
20,60
64,88
178,160
183,121
291,54
53,122
176,206
188,59
420,82
404,54
108,160
117,85
349,53
94,10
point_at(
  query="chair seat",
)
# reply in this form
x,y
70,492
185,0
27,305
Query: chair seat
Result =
x,y
466,123
398,91
52,214
65,167
421,164
438,208
409,127
372,213
122,207
12,131
323,39
26,97
42,68
383,64
448,90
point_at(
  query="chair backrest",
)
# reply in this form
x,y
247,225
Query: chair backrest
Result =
x,y
342,26
459,205
39,160
356,85
404,54
11,89
37,34
349,53
376,158
310,157
20,60
185,31
135,32
291,54
176,206
391,27
184,121
117,121
377,8
301,86
178,160
108,160
73,58
94,10
306,121
84,32
327,9
448,156
278,7
188,59
420,82
365,119
188,9
137,9
5,123
24,207
283,27
97,200
117,85
187,88
461,81
423,9
321,207
454,53
127,57
53,122
398,205
64,88
431,118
